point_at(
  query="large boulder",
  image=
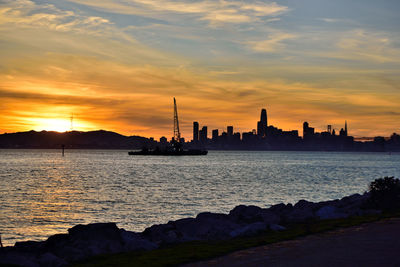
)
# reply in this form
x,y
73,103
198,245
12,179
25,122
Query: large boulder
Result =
x,y
29,246
280,209
353,205
135,241
330,212
213,226
276,227
249,230
57,241
302,211
246,214
187,229
18,258
84,241
269,217
161,234
50,260
206,226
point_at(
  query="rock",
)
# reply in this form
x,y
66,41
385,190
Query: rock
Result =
x,y
246,214
248,230
70,253
28,246
330,212
210,226
18,258
187,229
355,200
277,227
95,231
281,208
84,241
268,217
303,204
212,216
50,260
206,226
135,241
298,215
56,241
160,234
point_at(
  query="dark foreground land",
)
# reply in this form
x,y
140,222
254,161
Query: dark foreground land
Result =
x,y
371,244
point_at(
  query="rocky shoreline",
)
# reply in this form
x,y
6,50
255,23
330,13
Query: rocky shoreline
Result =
x,y
84,241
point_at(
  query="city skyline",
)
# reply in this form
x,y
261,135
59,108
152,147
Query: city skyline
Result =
x,y
116,65
263,131
259,130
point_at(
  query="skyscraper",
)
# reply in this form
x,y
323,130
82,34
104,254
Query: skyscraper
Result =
x,y
307,131
215,135
230,130
195,131
203,135
262,124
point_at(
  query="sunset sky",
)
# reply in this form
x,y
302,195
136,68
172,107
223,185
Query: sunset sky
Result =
x,y
117,64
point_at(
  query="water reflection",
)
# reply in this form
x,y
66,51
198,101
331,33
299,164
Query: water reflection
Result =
x,y
42,193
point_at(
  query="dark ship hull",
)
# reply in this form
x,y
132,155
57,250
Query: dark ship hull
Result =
x,y
191,152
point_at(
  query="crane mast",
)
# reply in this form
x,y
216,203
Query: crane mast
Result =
x,y
177,134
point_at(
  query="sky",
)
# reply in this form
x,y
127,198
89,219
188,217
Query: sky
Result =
x,y
117,64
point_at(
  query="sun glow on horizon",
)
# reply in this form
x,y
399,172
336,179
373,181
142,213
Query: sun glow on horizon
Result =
x,y
58,125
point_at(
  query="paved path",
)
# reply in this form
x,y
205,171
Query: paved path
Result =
x,y
372,244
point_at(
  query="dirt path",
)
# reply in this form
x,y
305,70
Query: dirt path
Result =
x,y
372,244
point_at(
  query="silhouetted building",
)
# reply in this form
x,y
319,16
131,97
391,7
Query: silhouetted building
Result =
x,y
379,144
230,130
308,132
329,129
203,134
195,131
247,137
215,135
236,137
262,124
163,140
343,132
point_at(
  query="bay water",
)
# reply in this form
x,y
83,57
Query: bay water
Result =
x,y
43,193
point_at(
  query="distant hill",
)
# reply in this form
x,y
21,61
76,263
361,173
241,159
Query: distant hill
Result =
x,y
94,139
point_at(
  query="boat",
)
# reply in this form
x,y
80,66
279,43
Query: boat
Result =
x,y
176,148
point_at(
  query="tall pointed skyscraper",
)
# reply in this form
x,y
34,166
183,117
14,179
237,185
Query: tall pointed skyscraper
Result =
x,y
345,128
262,124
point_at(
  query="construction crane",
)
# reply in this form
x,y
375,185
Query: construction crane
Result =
x,y
177,133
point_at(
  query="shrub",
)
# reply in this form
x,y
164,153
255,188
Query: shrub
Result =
x,y
385,193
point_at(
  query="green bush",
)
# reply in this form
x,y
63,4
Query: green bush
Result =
x,y
385,193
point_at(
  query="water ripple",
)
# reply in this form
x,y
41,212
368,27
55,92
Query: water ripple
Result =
x,y
42,193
